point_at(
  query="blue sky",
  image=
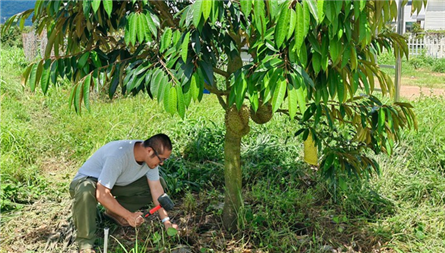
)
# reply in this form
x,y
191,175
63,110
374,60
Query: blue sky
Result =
x,y
9,8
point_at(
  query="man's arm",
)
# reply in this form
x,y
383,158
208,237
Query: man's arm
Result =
x,y
156,191
105,198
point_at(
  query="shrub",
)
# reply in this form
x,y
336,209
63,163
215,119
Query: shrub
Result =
x,y
417,62
439,65
13,37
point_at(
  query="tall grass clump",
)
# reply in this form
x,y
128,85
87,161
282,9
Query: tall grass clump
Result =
x,y
21,182
414,180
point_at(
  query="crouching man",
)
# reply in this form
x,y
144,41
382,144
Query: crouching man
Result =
x,y
123,176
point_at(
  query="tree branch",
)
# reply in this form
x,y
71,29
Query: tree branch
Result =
x,y
221,102
215,90
221,72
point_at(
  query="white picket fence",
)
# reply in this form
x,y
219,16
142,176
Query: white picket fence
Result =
x,y
433,47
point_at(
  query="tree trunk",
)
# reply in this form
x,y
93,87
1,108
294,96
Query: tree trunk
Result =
x,y
237,125
232,173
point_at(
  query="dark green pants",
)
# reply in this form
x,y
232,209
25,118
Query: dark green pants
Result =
x,y
83,191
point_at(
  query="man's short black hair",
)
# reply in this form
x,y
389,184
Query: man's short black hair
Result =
x,y
159,142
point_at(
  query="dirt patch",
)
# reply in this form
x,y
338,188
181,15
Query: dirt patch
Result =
x,y
413,92
41,227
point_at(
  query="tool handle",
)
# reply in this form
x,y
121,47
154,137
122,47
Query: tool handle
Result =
x,y
152,211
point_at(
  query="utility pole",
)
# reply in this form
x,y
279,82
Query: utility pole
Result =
x,y
400,21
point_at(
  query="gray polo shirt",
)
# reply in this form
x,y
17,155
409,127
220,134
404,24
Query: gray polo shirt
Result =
x,y
114,164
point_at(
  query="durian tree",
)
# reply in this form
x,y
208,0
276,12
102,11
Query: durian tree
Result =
x,y
312,60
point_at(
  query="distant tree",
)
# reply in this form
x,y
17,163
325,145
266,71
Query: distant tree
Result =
x,y
312,60
12,38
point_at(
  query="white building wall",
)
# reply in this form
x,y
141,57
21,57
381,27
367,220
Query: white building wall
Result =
x,y
435,15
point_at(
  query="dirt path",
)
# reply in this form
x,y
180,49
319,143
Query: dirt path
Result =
x,y
413,92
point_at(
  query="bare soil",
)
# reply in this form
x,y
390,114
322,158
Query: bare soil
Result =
x,y
413,92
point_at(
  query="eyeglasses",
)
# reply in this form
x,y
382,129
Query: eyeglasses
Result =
x,y
161,160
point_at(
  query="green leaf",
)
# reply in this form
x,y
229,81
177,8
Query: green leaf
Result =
x,y
301,96
338,6
26,74
185,47
95,4
299,26
127,34
381,122
86,4
282,27
306,18
56,6
292,23
246,7
197,13
292,100
253,98
132,28
151,25
171,100
332,84
206,8
207,72
35,75
260,16
49,46
353,58
46,74
175,38
194,87
163,85
330,11
86,91
54,70
316,62
240,90
154,82
362,27
362,4
279,94
312,5
187,94
166,39
172,232
181,102
114,82
83,60
142,27
345,56
320,9
340,91
73,92
95,58
108,6
77,97
335,50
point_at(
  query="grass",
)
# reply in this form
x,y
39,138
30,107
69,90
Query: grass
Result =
x,y
419,71
287,206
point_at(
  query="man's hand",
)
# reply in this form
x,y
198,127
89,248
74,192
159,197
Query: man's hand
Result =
x,y
168,225
135,219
